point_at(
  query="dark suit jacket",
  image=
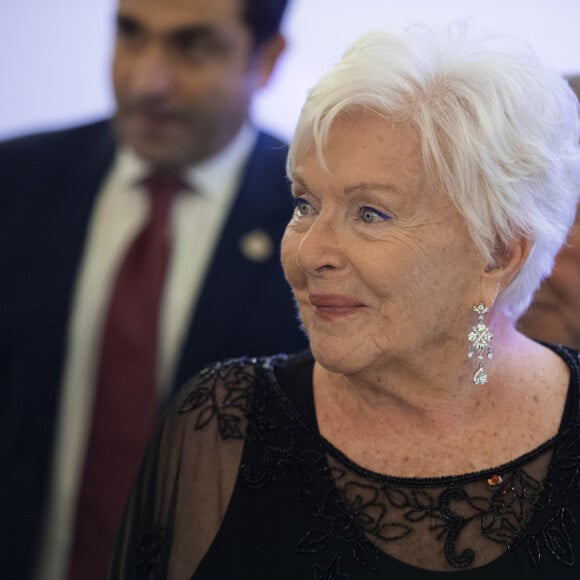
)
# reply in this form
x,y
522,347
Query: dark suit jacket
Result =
x,y
48,185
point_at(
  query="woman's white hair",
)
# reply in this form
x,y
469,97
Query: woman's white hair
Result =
x,y
499,133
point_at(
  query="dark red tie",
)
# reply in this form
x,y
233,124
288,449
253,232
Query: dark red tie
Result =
x,y
125,398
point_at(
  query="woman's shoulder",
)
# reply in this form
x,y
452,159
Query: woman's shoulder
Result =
x,y
571,359
221,394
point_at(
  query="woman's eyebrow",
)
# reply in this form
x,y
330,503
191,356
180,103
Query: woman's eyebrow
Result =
x,y
350,189
296,179
371,185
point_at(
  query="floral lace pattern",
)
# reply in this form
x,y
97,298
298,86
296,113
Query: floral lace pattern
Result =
x,y
221,393
356,517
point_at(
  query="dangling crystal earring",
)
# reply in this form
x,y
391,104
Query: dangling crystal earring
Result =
x,y
480,338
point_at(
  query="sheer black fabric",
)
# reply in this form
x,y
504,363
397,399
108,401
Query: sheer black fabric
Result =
x,y
239,484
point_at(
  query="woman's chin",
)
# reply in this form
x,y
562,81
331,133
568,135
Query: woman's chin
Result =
x,y
338,359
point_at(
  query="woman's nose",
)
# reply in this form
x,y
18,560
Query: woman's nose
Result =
x,y
321,248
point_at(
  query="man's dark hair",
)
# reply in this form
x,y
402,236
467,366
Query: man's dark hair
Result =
x,y
263,17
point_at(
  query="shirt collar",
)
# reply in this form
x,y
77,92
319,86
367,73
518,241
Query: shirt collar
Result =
x,y
212,177
222,171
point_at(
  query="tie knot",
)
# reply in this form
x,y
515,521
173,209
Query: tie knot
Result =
x,y
162,189
164,185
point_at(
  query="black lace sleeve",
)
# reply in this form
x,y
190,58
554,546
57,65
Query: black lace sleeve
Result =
x,y
239,483
186,479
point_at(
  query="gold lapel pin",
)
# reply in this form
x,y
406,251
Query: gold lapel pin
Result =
x,y
257,245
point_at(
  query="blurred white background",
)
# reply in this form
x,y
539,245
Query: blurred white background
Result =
x,y
55,54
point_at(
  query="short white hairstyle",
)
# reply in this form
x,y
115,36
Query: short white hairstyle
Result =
x,y
499,133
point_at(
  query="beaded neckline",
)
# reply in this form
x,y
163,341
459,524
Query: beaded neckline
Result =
x,y
572,408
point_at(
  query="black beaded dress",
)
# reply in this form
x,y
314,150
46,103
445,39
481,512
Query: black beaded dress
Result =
x,y
239,484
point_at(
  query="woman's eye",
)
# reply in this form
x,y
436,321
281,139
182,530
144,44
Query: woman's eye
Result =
x,y
370,215
301,206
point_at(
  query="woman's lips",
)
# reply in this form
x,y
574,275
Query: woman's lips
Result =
x,y
333,306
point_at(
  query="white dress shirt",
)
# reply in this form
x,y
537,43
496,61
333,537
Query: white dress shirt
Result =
x,y
198,216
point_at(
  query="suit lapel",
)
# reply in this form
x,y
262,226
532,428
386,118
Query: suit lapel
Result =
x,y
67,225
55,198
57,222
54,179
259,213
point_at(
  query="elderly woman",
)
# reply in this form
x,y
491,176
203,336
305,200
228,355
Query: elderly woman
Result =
x,y
434,179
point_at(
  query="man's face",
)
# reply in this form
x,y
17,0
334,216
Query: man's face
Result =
x,y
184,72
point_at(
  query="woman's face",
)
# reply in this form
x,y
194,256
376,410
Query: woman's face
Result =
x,y
382,267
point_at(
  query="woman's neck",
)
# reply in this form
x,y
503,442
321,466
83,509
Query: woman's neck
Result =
x,y
376,415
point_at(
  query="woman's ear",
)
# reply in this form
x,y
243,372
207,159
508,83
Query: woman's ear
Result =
x,y
508,260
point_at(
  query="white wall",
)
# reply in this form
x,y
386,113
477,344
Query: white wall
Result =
x,y
54,54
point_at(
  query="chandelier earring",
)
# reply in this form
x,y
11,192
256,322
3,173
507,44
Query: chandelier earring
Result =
x,y
480,339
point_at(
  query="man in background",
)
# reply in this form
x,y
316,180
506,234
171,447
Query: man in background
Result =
x,y
554,315
130,248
